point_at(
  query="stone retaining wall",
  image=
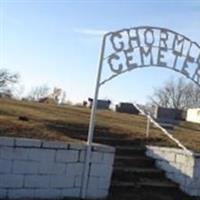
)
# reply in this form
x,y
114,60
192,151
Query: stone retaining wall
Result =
x,y
181,167
32,168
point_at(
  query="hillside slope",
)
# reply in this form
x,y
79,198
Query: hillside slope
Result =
x,y
54,122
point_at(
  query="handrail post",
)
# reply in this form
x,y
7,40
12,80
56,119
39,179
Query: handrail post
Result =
x,y
148,127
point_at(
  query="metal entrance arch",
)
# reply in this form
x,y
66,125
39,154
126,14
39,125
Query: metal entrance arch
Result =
x,y
128,49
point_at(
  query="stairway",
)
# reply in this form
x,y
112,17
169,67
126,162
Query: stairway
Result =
x,y
135,176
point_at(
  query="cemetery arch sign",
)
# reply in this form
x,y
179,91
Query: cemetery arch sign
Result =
x,y
143,46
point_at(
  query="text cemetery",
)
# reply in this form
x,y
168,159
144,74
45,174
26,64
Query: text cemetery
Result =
x,y
149,46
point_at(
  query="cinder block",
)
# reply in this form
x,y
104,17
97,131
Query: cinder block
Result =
x,y
10,153
169,157
192,191
158,155
101,170
71,192
170,175
190,161
5,166
7,141
197,162
52,168
104,183
96,194
48,193
99,183
177,165
188,170
21,193
78,181
37,181
6,153
26,142
3,193
96,157
180,178
108,158
167,167
25,167
170,168
93,183
62,181
20,153
11,181
82,156
161,164
67,156
76,146
190,183
55,145
42,155
181,159
75,169
196,173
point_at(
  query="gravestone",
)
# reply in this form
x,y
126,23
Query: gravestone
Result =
x,y
127,108
168,117
165,115
101,104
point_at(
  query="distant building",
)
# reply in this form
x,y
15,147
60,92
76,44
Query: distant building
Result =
x,y
101,104
127,108
47,100
193,115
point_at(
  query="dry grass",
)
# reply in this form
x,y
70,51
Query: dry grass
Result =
x,y
53,122
189,134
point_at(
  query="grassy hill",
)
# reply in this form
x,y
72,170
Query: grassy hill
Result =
x,y
63,123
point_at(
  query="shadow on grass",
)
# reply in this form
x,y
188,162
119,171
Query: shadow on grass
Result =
x,y
101,134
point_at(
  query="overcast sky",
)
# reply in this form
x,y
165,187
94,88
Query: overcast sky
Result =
x,y
58,42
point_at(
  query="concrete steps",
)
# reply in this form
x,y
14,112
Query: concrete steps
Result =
x,y
130,150
134,161
155,184
147,195
135,176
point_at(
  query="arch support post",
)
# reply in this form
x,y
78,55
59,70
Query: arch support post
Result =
x,y
92,125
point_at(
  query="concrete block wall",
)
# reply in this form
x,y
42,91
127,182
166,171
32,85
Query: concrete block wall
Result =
x,y
179,166
31,168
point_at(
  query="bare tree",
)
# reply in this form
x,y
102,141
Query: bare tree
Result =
x,y
7,80
176,94
39,92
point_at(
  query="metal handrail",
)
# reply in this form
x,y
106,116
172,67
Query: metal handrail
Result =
x,y
150,119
